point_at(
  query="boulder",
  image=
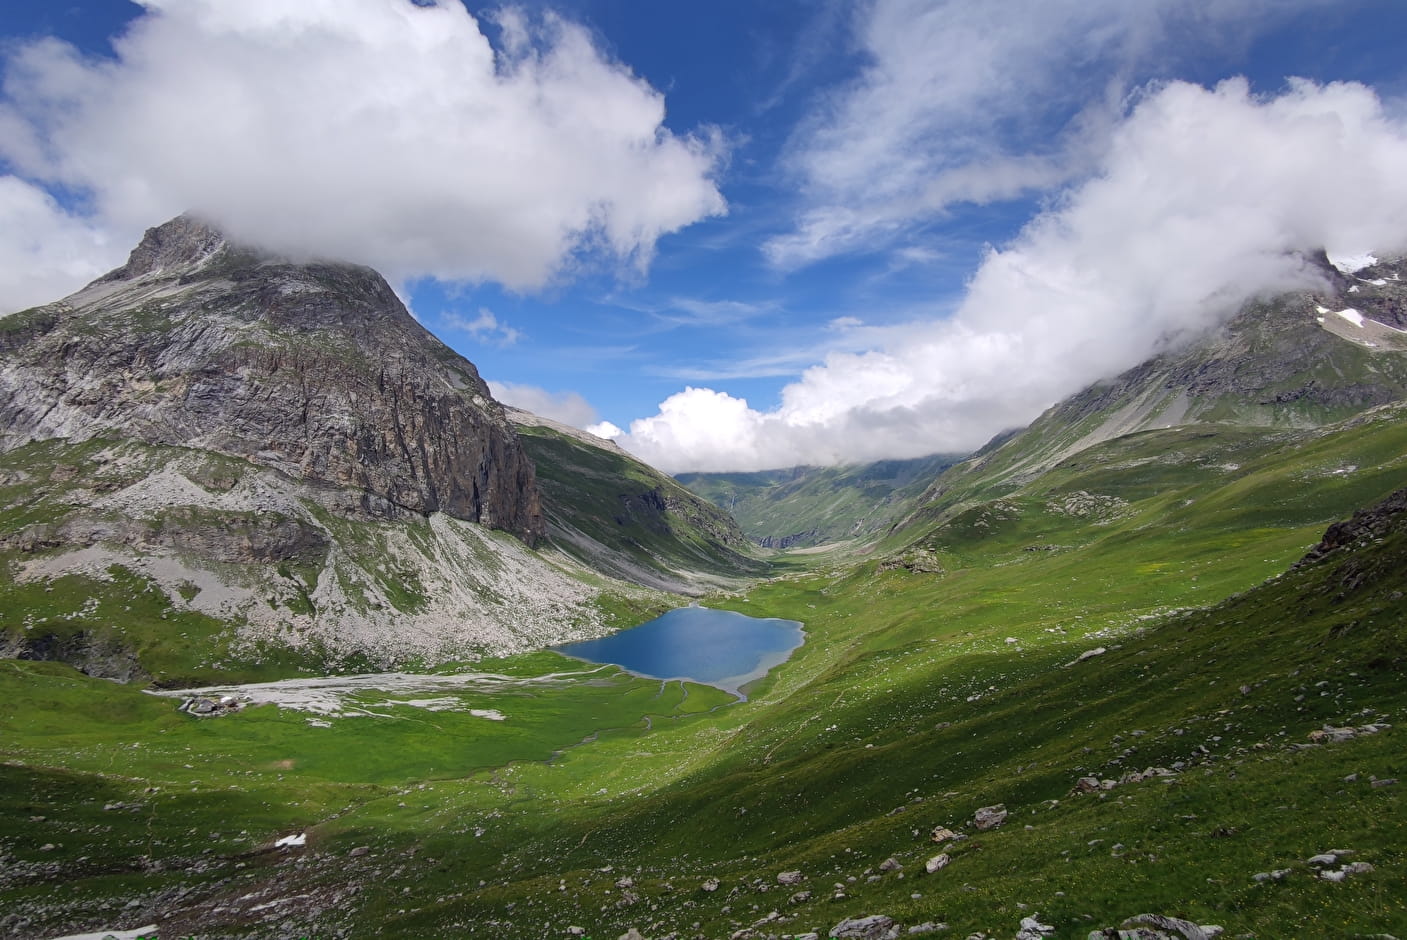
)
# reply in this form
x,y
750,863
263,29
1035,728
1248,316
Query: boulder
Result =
x,y
790,878
872,927
890,864
937,863
989,817
1173,927
1032,929
943,834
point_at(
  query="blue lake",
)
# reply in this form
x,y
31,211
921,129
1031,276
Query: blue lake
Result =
x,y
714,647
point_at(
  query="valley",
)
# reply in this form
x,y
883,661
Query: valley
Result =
x,y
1112,665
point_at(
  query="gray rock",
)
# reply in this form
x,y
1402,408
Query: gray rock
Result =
x,y
1176,925
873,927
989,817
937,863
943,834
1032,929
890,864
359,851
790,878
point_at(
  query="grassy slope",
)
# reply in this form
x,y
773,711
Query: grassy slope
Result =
x,y
907,708
623,517
819,504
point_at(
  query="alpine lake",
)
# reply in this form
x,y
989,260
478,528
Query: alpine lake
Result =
x,y
720,648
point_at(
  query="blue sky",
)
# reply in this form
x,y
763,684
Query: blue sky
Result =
x,y
744,234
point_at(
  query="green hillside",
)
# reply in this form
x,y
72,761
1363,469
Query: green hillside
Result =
x,y
806,506
613,513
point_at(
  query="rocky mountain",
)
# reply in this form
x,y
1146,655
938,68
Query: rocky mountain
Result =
x,y
214,459
1305,359
315,370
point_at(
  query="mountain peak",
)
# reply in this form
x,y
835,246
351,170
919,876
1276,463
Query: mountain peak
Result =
x,y
316,370
183,242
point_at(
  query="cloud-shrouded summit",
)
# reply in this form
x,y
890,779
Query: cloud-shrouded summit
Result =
x,y
1201,199
394,134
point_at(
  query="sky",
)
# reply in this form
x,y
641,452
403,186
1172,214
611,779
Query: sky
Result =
x,y
731,235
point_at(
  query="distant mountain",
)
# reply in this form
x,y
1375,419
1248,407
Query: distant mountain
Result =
x,y
214,459
806,506
1304,359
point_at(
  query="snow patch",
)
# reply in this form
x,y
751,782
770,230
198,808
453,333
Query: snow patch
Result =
x,y
1348,264
1352,316
294,841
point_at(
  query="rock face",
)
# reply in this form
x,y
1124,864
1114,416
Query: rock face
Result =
x,y
313,369
1365,526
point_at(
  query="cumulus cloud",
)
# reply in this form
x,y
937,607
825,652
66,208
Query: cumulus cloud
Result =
x,y
380,131
979,102
486,327
1201,200
44,252
566,407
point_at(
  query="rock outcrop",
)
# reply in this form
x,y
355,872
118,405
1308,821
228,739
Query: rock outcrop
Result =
x,y
314,369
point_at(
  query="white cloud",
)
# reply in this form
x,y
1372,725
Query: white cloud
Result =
x,y
44,252
567,407
378,131
981,102
605,430
486,327
1200,202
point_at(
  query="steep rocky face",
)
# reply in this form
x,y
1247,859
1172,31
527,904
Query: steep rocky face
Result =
x,y
315,370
